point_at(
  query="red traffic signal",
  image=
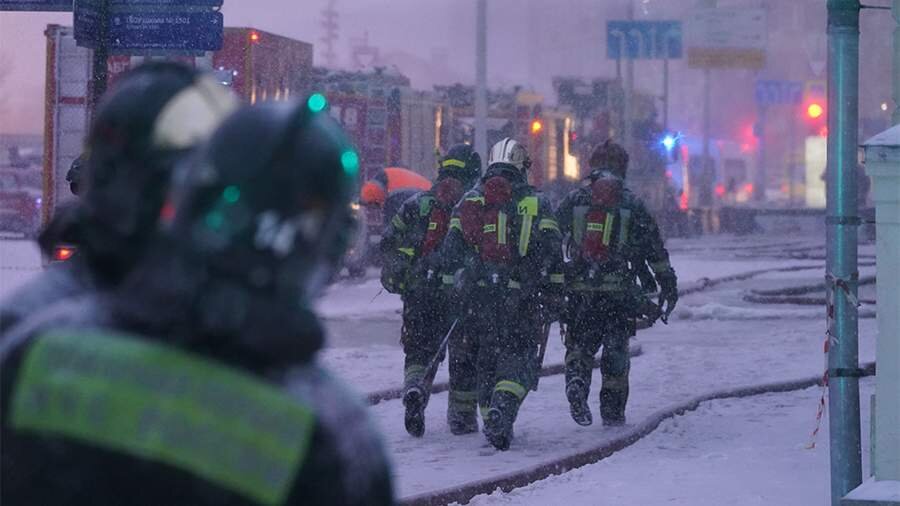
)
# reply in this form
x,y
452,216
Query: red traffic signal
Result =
x,y
537,127
815,110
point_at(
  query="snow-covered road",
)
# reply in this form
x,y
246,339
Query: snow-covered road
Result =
x,y
740,452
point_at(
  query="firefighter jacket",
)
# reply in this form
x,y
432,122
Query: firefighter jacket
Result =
x,y
503,231
134,397
610,248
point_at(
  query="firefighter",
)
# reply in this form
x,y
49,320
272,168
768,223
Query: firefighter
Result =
x,y
411,268
611,239
195,382
149,121
506,239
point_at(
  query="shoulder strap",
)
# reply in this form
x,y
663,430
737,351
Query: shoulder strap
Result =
x,y
527,209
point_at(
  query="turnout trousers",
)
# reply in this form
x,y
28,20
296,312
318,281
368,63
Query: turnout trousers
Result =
x,y
600,320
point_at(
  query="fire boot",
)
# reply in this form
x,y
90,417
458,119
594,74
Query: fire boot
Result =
x,y
498,425
461,417
612,406
414,401
577,394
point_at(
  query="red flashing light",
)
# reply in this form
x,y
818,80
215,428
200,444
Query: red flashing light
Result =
x,y
815,110
720,190
536,126
683,201
748,188
254,37
746,147
823,132
62,253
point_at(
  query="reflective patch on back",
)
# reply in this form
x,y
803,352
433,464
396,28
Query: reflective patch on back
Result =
x,y
160,404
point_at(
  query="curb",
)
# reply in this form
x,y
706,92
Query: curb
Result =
x,y
508,482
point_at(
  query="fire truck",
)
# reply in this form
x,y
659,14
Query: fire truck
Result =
x,y
258,65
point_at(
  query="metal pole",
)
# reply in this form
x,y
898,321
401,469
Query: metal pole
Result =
x,y
706,116
100,68
481,105
665,100
759,189
841,244
628,112
792,159
895,118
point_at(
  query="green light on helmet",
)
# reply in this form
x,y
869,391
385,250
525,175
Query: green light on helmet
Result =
x,y
231,194
317,102
350,162
215,220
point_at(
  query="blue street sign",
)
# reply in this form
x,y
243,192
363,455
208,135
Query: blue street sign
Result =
x,y
148,25
36,5
645,40
192,31
779,92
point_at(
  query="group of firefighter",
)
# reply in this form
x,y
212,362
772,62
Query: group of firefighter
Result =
x,y
485,263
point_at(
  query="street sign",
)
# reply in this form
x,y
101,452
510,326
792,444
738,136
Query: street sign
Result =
x,y
779,93
36,5
148,25
636,40
726,38
194,31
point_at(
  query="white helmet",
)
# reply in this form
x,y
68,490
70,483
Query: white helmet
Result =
x,y
510,152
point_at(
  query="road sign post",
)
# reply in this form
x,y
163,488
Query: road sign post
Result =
x,y
642,40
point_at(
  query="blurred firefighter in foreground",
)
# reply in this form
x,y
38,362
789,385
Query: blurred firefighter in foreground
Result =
x,y
380,199
153,117
412,268
611,239
506,238
196,382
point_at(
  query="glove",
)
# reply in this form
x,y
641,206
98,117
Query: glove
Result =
x,y
668,294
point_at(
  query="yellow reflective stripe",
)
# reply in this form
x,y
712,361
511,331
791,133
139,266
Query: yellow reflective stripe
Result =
x,y
525,234
557,278
512,387
432,225
501,228
407,251
548,224
454,163
595,227
480,200
414,373
455,223
484,411
448,279
398,222
659,267
606,287
490,228
607,229
528,206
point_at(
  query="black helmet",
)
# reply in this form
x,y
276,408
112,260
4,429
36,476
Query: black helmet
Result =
x,y
153,116
461,162
268,208
608,157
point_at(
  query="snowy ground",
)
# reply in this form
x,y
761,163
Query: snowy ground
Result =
x,y
716,340
740,452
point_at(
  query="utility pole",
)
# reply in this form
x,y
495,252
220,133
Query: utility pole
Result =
x,y
481,105
895,118
100,61
628,109
842,276
331,27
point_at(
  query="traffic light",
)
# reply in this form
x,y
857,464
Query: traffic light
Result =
x,y
537,126
815,109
